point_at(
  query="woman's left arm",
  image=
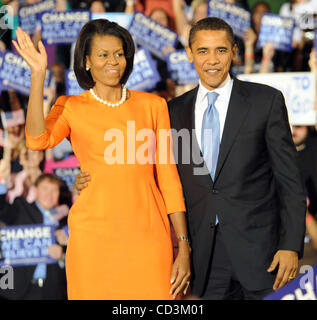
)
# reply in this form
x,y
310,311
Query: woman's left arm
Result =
x,y
181,268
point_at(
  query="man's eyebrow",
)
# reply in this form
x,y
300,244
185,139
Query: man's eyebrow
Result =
x,y
202,48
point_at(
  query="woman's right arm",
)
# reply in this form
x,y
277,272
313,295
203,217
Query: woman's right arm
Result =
x,y
41,132
37,61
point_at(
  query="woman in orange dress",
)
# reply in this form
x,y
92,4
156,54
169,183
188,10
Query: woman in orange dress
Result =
x,y
119,233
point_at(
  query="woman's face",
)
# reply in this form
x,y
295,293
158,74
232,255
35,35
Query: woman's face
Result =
x,y
106,61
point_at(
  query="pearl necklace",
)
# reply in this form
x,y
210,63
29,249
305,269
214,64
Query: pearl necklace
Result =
x,y
124,97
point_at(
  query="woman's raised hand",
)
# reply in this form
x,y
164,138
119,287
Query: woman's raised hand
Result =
x,y
36,59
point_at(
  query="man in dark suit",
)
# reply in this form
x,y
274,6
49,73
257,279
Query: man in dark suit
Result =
x,y
242,186
42,281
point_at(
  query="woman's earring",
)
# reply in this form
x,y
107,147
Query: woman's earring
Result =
x,y
87,69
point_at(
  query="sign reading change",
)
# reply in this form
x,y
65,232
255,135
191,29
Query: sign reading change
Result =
x,y
26,244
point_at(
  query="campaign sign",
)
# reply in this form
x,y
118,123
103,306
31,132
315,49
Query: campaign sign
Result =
x,y
278,30
72,86
121,18
151,35
68,175
26,244
62,27
144,75
15,73
12,118
29,15
298,89
237,17
315,42
181,70
302,288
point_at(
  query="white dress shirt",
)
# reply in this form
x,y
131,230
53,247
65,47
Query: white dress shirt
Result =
x,y
221,104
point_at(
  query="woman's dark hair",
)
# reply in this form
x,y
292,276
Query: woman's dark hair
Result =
x,y
101,27
211,23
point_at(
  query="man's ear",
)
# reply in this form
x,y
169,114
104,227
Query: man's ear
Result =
x,y
234,50
189,54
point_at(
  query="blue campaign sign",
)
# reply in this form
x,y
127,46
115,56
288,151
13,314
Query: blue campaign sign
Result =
x,y
278,30
121,18
29,15
144,75
26,244
237,17
302,288
151,35
62,27
72,86
181,70
68,175
315,41
15,73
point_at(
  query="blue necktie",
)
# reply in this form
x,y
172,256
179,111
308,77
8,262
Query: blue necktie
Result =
x,y
210,136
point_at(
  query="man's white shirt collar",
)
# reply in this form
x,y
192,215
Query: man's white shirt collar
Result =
x,y
224,91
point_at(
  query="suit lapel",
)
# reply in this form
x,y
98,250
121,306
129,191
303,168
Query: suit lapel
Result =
x,y
237,111
197,165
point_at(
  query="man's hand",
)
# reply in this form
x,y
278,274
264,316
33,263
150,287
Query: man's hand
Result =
x,y
81,181
288,266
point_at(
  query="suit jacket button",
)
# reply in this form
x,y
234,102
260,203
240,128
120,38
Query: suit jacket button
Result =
x,y
215,191
212,225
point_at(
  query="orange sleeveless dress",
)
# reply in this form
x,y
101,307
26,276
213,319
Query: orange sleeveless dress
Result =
x,y
119,233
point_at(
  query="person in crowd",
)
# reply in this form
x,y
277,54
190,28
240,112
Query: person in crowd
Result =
x,y
302,11
257,60
305,140
97,7
11,152
199,8
113,244
41,281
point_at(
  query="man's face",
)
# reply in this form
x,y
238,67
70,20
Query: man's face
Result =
x,y
212,53
299,134
47,194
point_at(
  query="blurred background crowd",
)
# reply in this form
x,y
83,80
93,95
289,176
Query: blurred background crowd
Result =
x,y
30,177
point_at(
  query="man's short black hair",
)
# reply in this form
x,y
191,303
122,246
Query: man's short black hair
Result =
x,y
211,23
101,27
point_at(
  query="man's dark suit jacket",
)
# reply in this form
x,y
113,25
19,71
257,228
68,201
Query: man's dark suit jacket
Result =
x,y
22,213
257,193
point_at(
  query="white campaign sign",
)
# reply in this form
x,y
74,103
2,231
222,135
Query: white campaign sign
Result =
x,y
298,89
